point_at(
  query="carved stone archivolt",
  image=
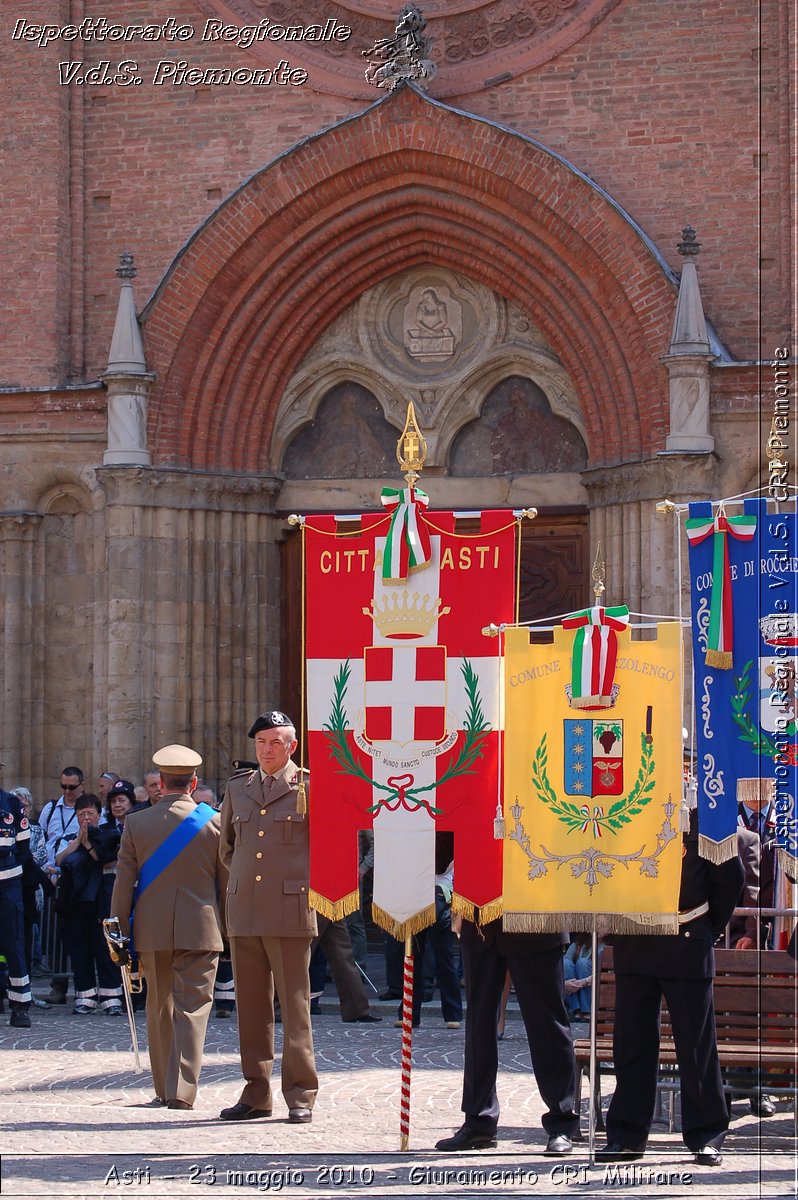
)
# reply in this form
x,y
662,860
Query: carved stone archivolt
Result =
x,y
472,41
430,336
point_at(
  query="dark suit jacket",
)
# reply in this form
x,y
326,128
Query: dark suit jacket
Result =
x,y
687,954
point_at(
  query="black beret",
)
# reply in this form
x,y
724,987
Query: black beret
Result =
x,y
122,788
270,720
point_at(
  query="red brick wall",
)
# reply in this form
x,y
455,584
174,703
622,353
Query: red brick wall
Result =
x,y
658,104
34,153
405,183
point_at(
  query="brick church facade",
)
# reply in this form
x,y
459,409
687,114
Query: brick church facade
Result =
x,y
505,246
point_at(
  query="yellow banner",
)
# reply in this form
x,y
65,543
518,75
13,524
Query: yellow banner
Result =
x,y
592,797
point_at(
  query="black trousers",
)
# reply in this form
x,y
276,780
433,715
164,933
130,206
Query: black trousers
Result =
x,y
96,976
705,1118
538,981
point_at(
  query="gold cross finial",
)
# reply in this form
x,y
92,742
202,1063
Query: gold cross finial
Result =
x,y
411,449
598,575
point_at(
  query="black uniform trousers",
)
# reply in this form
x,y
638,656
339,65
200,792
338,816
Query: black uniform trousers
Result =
x,y
538,980
705,1117
12,940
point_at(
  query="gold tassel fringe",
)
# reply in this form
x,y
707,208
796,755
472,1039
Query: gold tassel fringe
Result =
x,y
334,910
403,929
722,659
464,908
787,863
301,800
490,912
653,923
751,791
717,852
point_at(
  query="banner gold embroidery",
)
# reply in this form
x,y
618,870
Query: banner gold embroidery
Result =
x,y
592,833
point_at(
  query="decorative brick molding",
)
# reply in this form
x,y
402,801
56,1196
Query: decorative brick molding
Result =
x,y
407,182
475,42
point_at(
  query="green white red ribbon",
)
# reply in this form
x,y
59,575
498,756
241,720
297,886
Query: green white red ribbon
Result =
x,y
407,545
721,617
594,654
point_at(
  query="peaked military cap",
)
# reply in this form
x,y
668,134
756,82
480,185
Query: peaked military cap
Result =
x,y
177,760
270,720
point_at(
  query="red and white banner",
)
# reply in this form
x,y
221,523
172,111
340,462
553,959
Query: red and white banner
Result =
x,y
404,715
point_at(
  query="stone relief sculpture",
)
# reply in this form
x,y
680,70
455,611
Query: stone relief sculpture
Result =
x,y
404,56
432,324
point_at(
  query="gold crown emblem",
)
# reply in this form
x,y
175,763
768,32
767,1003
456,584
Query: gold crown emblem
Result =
x,y
406,616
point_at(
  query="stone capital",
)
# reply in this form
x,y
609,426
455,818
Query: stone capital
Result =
x,y
164,487
19,526
678,477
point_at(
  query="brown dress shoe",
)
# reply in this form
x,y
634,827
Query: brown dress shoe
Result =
x,y
299,1116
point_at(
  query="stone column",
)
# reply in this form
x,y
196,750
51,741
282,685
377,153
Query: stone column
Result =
x,y
193,627
642,546
18,533
639,545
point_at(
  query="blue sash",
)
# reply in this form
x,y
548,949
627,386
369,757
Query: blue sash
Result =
x,y
169,849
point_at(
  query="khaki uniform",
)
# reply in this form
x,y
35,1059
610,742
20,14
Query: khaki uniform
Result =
x,y
264,845
177,935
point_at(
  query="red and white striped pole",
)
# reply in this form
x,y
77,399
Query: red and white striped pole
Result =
x,y
407,1044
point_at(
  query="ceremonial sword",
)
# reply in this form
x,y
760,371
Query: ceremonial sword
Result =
x,y
119,950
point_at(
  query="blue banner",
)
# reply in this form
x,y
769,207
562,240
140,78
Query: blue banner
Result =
x,y
746,712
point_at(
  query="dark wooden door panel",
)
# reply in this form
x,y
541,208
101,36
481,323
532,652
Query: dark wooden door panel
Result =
x,y
555,566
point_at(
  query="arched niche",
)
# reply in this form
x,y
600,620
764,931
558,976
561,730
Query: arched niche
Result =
x,y
347,437
517,433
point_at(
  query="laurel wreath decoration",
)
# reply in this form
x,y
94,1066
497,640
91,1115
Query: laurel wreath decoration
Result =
x,y
577,816
476,730
758,739
335,732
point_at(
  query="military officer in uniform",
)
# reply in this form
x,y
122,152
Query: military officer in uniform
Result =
x,y
680,967
176,928
14,852
264,844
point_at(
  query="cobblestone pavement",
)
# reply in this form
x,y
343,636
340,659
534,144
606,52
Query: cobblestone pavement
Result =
x,y
78,1123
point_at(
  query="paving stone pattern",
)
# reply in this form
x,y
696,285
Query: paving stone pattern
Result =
x,y
78,1122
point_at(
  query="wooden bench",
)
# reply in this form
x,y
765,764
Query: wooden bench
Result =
x,y
756,1005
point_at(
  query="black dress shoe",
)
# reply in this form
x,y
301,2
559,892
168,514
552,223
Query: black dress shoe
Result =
x,y
708,1156
243,1112
299,1116
467,1139
369,1019
181,1104
762,1106
558,1146
389,995
616,1152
